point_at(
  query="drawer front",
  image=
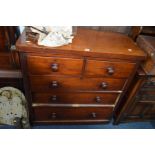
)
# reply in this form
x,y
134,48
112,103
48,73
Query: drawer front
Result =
x,y
63,113
54,65
53,83
75,98
110,69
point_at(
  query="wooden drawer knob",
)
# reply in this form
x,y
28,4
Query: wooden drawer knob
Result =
x,y
54,98
93,114
104,85
54,67
53,116
98,99
110,70
55,84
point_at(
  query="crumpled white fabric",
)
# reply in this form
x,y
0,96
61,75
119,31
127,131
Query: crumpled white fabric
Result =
x,y
57,35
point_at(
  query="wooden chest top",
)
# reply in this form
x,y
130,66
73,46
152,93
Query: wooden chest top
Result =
x,y
90,43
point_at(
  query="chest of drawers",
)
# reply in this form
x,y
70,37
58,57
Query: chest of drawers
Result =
x,y
78,83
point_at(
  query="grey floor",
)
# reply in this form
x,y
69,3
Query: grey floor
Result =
x,y
136,125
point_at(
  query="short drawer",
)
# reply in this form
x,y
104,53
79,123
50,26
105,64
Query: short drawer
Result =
x,y
75,98
54,65
50,83
70,113
109,68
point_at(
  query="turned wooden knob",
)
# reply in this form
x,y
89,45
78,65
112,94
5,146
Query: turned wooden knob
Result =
x,y
98,99
54,84
53,116
54,67
104,85
93,114
54,98
110,70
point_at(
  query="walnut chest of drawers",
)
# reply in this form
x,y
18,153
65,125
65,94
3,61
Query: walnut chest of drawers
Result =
x,y
81,82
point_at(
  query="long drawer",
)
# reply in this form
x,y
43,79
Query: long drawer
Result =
x,y
75,98
66,113
109,68
56,83
54,65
